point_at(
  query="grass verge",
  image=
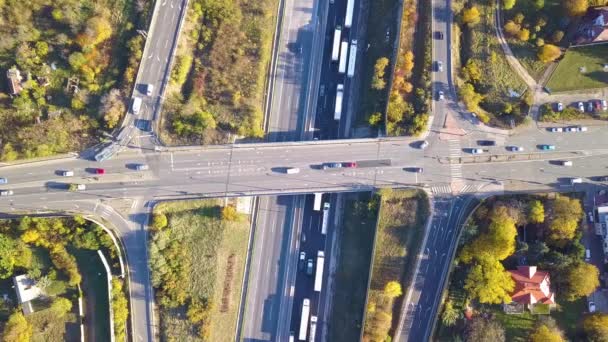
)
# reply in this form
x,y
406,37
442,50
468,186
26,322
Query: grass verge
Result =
x,y
197,266
400,231
568,76
356,245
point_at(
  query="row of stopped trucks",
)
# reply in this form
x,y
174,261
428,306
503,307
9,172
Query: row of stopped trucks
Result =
x,y
340,54
306,327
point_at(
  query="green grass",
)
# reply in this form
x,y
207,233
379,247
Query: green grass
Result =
x,y
567,75
568,316
209,242
526,54
517,327
381,14
356,243
95,291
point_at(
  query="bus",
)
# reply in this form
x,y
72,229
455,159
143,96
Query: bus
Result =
x,y
313,328
352,58
318,199
343,55
325,218
319,272
304,319
350,7
335,52
339,97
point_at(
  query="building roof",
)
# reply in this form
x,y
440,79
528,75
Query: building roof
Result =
x,y
14,81
26,288
593,27
531,286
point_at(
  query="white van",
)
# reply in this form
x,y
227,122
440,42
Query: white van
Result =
x,y
136,105
566,163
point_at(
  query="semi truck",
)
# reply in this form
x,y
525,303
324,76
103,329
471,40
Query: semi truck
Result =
x,y
343,56
335,52
350,7
319,272
352,58
304,320
339,96
313,328
325,221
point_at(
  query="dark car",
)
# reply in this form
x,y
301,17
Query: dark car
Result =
x,y
349,164
486,142
439,35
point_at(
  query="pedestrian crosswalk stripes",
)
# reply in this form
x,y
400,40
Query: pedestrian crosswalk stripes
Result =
x,y
441,189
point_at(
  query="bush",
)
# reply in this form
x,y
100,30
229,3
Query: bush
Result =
x,y
508,4
548,53
378,81
523,35
470,98
511,28
159,221
120,309
471,16
229,213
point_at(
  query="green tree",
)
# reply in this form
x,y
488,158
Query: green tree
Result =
x,y
596,327
378,81
488,282
159,221
543,334
375,119
449,315
393,289
471,72
7,256
548,53
471,16
484,330
566,212
508,4
575,8
581,279
470,98
536,212
497,242
17,329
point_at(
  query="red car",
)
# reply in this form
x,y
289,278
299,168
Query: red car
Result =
x,y
99,171
349,164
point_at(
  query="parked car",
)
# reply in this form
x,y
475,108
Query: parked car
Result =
x,y
581,129
591,306
423,144
440,95
555,129
331,166
566,163
580,106
516,148
590,106
576,180
559,106
3,180
6,192
571,129
349,164
604,105
590,214
417,169
67,173
99,171
141,167
547,147
476,151
486,142
292,170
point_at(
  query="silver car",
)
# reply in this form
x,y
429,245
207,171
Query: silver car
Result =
x,y
581,106
141,167
332,166
440,95
3,180
6,192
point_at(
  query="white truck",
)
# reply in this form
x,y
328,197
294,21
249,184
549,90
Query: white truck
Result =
x,y
136,105
313,328
339,97
352,58
318,199
335,52
304,320
343,57
319,271
325,220
348,19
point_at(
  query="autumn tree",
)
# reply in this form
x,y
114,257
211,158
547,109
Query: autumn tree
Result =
x,y
112,107
471,72
378,81
97,30
508,4
548,53
596,327
544,334
575,8
61,306
488,282
511,28
497,242
13,253
375,119
484,330
229,213
581,280
471,16
393,289
159,221
523,35
536,212
408,62
120,309
449,315
565,212
17,328
470,98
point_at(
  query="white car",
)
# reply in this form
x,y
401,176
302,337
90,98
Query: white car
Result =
x,y
6,192
590,216
604,105
566,163
67,173
440,95
581,106
3,180
591,306
560,106
476,151
571,129
555,129
516,148
581,128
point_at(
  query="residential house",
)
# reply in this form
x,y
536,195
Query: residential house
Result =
x,y
593,27
531,286
27,291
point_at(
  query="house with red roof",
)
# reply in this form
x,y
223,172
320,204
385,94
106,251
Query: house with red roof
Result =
x,y
531,286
